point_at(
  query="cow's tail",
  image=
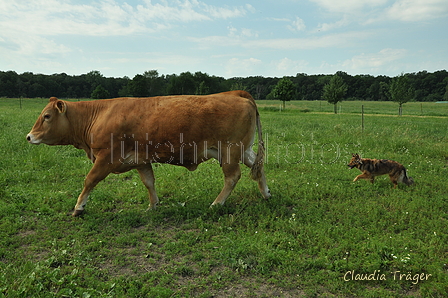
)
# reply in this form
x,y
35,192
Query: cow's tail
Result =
x,y
256,171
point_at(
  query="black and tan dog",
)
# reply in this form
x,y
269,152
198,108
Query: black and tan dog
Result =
x,y
371,168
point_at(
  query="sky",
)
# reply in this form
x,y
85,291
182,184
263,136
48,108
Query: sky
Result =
x,y
227,38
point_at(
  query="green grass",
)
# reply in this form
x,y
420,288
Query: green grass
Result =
x,y
317,228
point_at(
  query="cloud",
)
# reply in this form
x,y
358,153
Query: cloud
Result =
x,y
243,33
374,61
236,66
327,41
227,13
297,25
184,12
331,26
417,10
288,66
35,28
371,11
107,17
348,6
339,40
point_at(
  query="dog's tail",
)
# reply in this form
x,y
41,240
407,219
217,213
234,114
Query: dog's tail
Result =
x,y
405,179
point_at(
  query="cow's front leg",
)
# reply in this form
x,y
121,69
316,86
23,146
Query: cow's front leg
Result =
x,y
147,176
98,172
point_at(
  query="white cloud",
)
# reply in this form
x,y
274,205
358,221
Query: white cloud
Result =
x,y
279,19
243,33
348,6
331,26
345,39
372,11
236,66
297,25
225,12
373,61
339,40
106,18
185,12
417,10
33,28
288,66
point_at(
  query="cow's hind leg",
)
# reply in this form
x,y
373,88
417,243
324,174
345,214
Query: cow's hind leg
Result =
x,y
232,173
98,172
249,160
147,176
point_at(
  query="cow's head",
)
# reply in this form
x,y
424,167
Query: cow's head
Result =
x,y
51,126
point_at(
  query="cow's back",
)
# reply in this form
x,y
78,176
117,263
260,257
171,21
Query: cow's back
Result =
x,y
175,128
214,116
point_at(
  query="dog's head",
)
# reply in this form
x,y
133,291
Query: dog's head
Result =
x,y
355,161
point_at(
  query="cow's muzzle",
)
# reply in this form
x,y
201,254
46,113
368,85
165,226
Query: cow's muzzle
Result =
x,y
30,138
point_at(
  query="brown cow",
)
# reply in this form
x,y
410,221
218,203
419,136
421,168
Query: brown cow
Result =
x,y
122,134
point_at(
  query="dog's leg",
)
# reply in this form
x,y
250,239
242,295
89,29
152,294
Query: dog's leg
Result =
x,y
364,175
394,180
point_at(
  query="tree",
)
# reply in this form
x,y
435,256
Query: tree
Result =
x,y
153,82
238,85
335,91
100,93
284,90
384,91
181,84
445,96
95,78
138,86
202,89
401,91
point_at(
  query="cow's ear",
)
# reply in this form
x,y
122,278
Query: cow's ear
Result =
x,y
61,106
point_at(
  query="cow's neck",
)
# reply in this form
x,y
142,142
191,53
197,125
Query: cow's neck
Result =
x,y
82,116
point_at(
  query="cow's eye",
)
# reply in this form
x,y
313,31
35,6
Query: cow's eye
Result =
x,y
47,116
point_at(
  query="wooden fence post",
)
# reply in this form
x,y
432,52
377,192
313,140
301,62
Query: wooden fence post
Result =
x,y
362,118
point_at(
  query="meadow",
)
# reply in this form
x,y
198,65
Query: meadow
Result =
x,y
320,235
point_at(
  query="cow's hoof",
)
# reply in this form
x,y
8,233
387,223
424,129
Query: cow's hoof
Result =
x,y
151,208
215,205
77,213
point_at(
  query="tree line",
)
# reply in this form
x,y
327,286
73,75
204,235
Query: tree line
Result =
x,y
426,86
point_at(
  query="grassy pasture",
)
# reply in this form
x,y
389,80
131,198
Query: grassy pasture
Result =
x,y
317,236
355,107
